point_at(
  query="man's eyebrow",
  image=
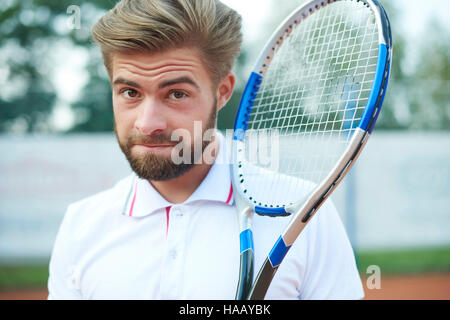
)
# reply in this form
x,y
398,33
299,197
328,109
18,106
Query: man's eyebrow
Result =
x,y
161,86
126,82
178,81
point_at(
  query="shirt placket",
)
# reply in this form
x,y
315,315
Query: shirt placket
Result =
x,y
173,265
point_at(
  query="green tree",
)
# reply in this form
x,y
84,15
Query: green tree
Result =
x,y
29,32
430,98
28,95
95,104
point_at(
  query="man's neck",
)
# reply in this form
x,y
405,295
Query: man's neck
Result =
x,y
178,190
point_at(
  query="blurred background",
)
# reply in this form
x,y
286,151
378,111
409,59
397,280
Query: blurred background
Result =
x,y
57,145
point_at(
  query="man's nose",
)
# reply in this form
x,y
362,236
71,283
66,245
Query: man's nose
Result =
x,y
151,118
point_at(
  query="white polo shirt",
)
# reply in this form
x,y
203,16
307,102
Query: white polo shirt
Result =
x,y
130,243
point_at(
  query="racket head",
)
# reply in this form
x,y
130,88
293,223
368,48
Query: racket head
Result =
x,y
314,97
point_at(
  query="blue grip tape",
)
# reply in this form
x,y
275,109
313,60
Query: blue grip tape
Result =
x,y
246,240
278,252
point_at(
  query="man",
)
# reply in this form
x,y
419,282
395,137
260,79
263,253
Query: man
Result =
x,y
170,231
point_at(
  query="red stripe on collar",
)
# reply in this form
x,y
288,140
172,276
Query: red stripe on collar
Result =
x,y
134,200
230,195
167,216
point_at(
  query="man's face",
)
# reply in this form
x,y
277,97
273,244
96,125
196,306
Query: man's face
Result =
x,y
154,95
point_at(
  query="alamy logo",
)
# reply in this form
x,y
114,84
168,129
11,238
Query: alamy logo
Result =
x,y
74,20
374,280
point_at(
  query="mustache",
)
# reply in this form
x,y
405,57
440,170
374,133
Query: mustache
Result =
x,y
137,138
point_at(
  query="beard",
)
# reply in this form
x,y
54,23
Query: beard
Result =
x,y
154,167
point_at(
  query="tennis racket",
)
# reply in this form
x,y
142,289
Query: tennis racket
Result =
x,y
318,88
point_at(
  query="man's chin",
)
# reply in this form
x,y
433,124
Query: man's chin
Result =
x,y
158,169
162,176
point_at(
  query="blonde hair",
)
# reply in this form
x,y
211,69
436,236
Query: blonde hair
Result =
x,y
158,25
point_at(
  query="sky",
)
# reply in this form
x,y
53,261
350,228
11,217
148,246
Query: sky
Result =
x,y
257,15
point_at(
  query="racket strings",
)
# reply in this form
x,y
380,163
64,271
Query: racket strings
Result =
x,y
311,99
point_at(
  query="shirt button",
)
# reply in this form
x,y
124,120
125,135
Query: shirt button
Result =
x,y
177,213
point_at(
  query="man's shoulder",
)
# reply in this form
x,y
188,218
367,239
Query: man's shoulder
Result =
x,y
106,201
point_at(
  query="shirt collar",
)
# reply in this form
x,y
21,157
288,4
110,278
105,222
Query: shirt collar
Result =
x,y
144,200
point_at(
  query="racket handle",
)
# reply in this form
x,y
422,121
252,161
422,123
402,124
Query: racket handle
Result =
x,y
245,275
263,281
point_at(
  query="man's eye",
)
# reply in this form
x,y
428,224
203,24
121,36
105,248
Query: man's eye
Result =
x,y
177,95
130,94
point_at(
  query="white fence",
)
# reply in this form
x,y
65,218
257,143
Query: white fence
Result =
x,y
402,192
398,194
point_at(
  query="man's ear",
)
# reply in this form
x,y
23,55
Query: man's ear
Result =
x,y
225,90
